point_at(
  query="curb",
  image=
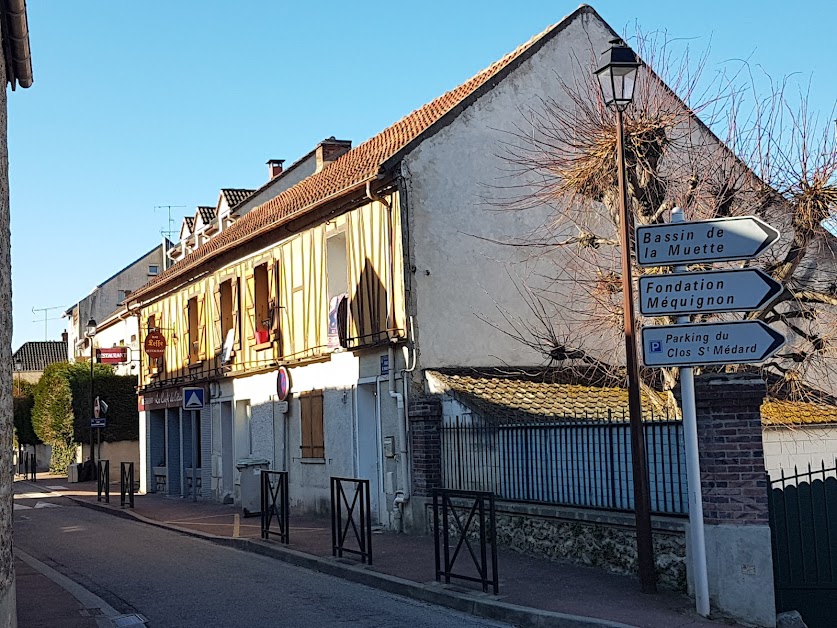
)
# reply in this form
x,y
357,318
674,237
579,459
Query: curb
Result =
x,y
429,593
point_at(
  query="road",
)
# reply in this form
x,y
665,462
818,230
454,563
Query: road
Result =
x,y
180,581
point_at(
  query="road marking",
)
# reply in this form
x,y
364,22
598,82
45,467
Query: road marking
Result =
x,y
58,488
46,505
22,507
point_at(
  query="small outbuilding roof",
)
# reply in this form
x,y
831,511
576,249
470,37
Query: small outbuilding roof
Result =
x,y
36,356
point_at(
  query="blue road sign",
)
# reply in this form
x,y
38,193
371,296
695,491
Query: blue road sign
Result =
x,y
193,398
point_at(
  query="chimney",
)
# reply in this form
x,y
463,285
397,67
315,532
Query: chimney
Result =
x,y
64,336
329,150
274,167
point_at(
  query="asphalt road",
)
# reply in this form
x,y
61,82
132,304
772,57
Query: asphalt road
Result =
x,y
179,581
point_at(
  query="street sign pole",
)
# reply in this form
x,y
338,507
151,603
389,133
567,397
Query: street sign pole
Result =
x,y
696,532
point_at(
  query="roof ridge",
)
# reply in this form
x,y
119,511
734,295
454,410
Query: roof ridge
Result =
x,y
355,167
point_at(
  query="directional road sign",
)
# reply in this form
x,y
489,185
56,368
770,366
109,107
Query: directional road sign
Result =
x,y
718,240
733,342
193,398
739,290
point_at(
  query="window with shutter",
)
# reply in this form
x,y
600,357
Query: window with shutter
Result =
x,y
261,303
192,331
312,441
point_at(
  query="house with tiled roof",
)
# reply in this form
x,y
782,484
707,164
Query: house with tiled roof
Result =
x,y
33,357
312,320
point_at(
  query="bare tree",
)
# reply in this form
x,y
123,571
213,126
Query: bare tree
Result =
x,y
746,154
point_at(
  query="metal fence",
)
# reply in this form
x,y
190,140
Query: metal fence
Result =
x,y
582,460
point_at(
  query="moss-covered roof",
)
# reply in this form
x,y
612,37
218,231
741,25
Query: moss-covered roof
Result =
x,y
520,398
775,413
515,396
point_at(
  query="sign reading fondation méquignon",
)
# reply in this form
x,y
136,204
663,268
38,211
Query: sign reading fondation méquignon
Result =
x,y
717,240
733,342
739,290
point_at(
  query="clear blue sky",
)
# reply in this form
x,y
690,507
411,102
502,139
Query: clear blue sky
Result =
x,y
160,102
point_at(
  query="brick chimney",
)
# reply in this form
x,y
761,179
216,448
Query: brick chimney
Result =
x,y
64,336
330,149
274,167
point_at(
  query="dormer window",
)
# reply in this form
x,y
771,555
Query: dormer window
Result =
x,y
153,270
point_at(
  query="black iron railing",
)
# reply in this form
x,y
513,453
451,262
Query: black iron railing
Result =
x,y
351,510
103,480
581,460
459,516
275,504
126,484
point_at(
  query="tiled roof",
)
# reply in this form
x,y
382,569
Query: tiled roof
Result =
x,y
190,223
235,196
794,413
36,356
207,214
503,397
359,165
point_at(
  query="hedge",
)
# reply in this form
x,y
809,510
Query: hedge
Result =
x,y
118,391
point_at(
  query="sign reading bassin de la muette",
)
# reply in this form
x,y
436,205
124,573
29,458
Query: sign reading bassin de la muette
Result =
x,y
717,240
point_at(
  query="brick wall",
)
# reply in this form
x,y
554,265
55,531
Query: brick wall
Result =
x,y
733,476
426,444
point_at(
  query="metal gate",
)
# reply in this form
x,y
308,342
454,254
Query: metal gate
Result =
x,y
803,526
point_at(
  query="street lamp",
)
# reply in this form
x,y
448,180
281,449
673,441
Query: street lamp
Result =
x,y
617,77
18,369
90,332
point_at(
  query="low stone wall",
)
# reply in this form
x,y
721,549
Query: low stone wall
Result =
x,y
588,537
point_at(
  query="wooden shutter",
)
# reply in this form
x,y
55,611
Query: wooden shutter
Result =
x,y
249,328
201,299
285,290
273,308
217,336
311,424
189,335
236,311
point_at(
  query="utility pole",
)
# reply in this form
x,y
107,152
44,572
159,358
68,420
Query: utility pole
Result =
x,y
46,311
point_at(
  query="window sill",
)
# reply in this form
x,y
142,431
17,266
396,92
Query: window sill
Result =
x,y
264,346
312,460
195,365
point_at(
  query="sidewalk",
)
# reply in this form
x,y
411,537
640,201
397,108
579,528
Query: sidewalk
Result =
x,y
533,591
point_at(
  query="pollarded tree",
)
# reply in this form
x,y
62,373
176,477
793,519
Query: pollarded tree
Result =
x,y
745,155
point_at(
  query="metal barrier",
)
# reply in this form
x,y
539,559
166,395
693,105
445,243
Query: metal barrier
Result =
x,y
103,480
29,467
358,517
275,504
445,503
126,484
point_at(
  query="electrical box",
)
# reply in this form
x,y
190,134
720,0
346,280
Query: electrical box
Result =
x,y
389,447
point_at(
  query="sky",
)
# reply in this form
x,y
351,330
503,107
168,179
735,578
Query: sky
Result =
x,y
138,105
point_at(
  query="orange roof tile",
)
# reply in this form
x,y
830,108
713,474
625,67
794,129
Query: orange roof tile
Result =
x,y
357,166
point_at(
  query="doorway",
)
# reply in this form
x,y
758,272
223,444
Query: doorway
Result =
x,y
369,464
227,460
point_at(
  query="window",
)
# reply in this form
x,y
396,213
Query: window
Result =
x,y
261,299
338,286
312,443
153,269
123,296
193,330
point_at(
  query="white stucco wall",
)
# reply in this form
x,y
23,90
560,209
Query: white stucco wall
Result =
x,y
121,333
460,278
786,448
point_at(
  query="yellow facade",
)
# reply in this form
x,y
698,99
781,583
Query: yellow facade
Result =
x,y
277,301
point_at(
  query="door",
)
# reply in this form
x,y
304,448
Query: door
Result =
x,y
227,460
369,463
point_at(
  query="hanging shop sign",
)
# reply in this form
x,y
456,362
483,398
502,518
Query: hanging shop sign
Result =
x,y
155,344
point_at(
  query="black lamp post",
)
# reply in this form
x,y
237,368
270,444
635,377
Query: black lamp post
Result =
x,y
90,332
18,393
617,77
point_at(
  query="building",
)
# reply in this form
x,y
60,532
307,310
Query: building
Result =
x,y
106,305
33,357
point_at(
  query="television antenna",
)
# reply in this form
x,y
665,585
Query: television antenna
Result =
x,y
46,317
168,233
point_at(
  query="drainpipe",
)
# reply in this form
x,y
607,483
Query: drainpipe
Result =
x,y
402,496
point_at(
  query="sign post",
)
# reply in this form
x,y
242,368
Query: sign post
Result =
x,y
689,344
